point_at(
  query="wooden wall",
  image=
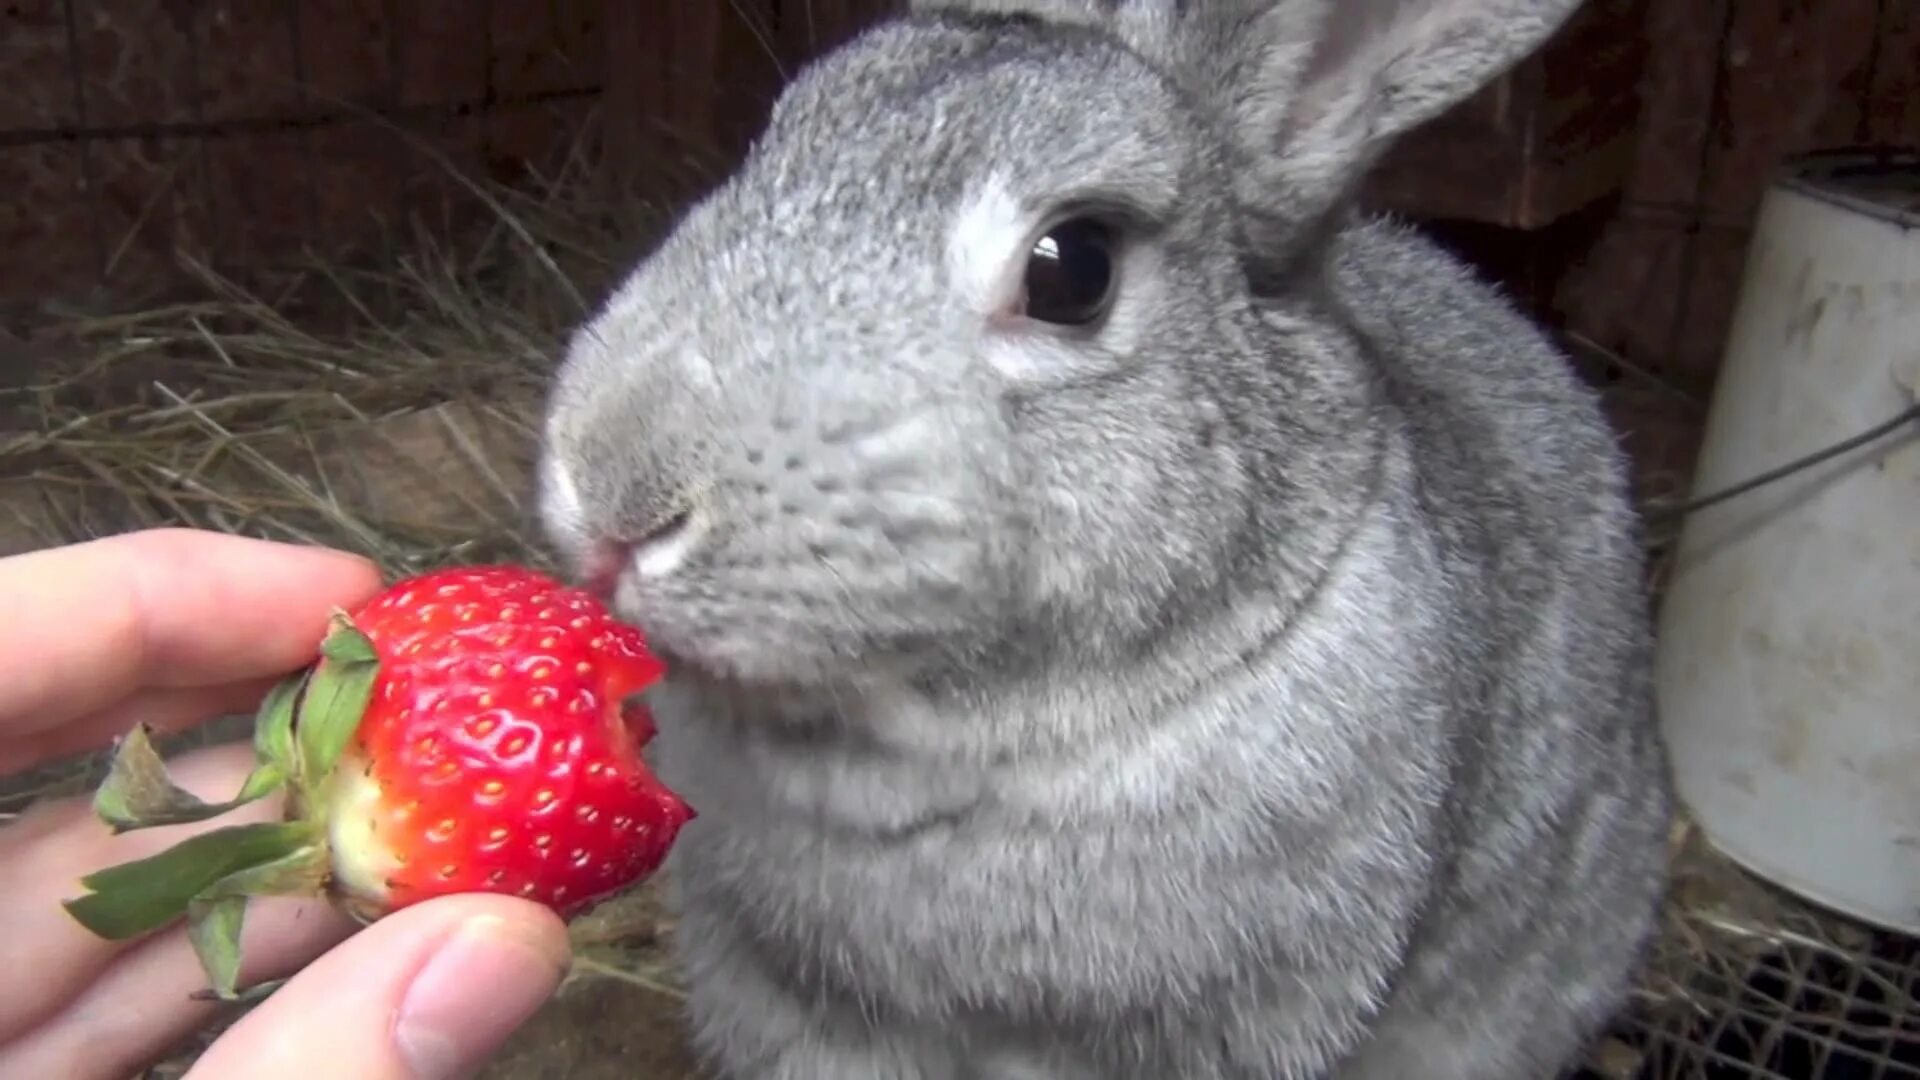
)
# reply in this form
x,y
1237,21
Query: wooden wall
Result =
x,y
1645,278
243,131
132,130
1732,87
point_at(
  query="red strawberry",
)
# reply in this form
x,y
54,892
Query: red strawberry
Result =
x,y
494,755
467,730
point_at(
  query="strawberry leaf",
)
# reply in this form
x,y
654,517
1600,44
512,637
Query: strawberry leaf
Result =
x,y
141,896
216,916
300,872
213,927
344,641
273,726
252,995
138,793
336,697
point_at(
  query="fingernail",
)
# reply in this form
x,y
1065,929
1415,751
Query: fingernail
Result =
x,y
478,987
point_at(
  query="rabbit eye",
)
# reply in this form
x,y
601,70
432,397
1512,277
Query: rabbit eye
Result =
x,y
1069,279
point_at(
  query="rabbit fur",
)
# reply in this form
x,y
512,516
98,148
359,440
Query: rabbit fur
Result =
x,y
1252,685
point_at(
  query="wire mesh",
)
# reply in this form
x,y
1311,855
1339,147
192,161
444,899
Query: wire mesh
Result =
x,y
1748,982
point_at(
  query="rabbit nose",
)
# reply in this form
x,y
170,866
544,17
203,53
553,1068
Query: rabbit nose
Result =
x,y
655,553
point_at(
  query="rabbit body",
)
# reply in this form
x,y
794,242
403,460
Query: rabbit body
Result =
x,y
1254,686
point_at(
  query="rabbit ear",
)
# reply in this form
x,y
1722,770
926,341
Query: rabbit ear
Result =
x,y
1312,120
1312,91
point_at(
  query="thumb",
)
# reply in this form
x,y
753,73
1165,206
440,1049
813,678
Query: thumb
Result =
x,y
427,993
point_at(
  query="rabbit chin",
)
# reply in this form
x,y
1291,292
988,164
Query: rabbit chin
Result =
x,y
738,652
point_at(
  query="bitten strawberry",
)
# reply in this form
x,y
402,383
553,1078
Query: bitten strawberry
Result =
x,y
467,730
495,754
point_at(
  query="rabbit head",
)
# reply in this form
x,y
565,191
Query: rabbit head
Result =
x,y
1003,341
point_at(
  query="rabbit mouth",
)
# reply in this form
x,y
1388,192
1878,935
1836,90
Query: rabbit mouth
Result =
x,y
651,553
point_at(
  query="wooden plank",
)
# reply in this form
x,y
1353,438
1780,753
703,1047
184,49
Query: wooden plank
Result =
x,y
1893,105
662,63
1554,135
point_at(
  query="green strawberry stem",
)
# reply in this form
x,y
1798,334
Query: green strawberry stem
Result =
x,y
303,726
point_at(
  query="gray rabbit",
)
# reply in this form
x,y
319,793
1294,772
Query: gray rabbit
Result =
x,y
1129,614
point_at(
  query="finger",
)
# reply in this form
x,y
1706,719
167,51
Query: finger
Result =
x,y
167,709
91,623
141,1005
47,852
427,993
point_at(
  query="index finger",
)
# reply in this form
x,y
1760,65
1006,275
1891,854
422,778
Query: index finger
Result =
x,y
89,624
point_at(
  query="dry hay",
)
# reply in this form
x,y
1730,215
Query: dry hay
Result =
x,y
1748,982
393,411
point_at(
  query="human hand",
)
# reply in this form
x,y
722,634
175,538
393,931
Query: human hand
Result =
x,y
168,628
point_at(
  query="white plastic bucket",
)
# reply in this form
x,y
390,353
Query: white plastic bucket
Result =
x,y
1789,663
